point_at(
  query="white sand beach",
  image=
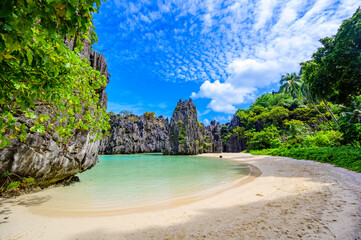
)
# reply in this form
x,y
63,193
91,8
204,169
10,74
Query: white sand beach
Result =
x,y
290,199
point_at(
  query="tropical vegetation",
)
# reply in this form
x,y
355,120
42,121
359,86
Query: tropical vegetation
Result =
x,y
317,113
45,86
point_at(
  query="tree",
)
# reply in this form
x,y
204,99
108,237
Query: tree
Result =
x,y
306,94
290,83
40,72
294,85
334,72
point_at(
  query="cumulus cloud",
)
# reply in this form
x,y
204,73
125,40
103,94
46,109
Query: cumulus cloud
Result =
x,y
223,95
206,122
230,48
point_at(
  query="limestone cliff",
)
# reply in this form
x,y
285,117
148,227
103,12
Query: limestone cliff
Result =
x,y
233,143
212,138
183,135
134,134
41,158
185,132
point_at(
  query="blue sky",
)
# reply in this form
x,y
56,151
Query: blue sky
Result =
x,y
223,54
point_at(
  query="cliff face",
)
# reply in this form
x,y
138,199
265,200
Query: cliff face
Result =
x,y
185,132
184,135
133,134
212,138
41,158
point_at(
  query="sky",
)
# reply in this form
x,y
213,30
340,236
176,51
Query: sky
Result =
x,y
222,54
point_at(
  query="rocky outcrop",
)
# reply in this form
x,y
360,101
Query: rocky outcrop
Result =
x,y
42,157
212,138
185,132
235,144
145,134
98,62
133,134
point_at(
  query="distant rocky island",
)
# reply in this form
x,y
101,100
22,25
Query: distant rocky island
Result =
x,y
42,157
182,135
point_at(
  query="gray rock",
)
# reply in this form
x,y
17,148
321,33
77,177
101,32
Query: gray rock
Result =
x,y
135,134
183,135
41,157
213,133
186,134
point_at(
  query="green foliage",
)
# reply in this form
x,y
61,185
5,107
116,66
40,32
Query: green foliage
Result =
x,y
9,184
264,138
323,139
38,71
13,185
351,133
334,72
149,115
93,36
307,115
344,156
125,113
133,118
290,83
275,143
278,114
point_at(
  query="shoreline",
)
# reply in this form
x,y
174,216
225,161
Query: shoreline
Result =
x,y
165,204
291,198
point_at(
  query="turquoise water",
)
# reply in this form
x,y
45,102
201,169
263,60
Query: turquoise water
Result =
x,y
121,181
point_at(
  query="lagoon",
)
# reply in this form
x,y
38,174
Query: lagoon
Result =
x,y
130,181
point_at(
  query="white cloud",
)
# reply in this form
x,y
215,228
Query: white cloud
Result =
x,y
231,48
223,95
265,11
206,122
279,43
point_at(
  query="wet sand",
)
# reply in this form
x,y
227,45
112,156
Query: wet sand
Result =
x,y
290,199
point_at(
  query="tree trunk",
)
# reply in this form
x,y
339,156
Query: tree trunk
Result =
x,y
329,110
323,116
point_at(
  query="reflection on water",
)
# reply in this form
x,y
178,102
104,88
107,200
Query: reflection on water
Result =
x,y
121,181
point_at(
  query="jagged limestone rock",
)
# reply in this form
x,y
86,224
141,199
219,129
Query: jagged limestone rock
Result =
x,y
134,134
183,135
234,143
41,158
185,132
213,133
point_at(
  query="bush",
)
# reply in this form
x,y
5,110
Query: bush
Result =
x,y
149,115
263,138
276,143
345,156
323,139
351,133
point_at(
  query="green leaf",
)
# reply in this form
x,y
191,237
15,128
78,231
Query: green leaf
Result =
x,y
13,185
30,57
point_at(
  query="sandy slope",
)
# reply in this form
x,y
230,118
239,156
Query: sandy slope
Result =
x,y
291,199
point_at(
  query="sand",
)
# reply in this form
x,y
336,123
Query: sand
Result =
x,y
290,199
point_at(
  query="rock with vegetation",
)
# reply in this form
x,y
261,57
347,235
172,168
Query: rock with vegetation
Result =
x,y
44,156
212,142
52,96
136,134
185,132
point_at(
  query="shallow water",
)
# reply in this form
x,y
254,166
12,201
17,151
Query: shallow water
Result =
x,y
123,181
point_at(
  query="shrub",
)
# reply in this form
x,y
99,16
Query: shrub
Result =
x,y
323,139
351,133
344,156
149,115
263,138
